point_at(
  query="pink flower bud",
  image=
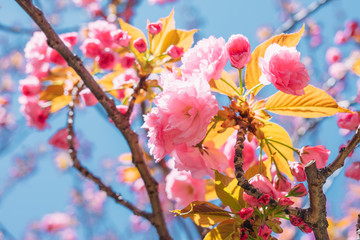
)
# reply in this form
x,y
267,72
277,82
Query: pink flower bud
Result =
x,y
349,121
127,60
296,221
353,171
59,140
338,70
71,38
281,183
264,185
239,51
91,48
175,52
30,86
285,202
341,37
106,60
298,191
333,55
297,170
245,213
318,153
243,234
351,26
264,199
88,97
140,45
154,28
121,38
305,228
264,232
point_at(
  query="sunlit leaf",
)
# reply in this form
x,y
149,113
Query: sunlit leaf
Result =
x,y
59,102
180,38
280,153
356,67
228,191
226,86
204,214
168,24
315,103
52,92
218,138
253,71
223,231
252,171
130,174
135,33
210,193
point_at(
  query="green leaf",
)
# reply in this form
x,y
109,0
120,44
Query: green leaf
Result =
x,y
222,232
228,191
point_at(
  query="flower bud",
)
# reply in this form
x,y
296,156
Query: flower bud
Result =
x,y
91,48
297,170
285,201
239,51
264,231
175,52
318,153
127,60
281,183
154,28
298,191
353,171
245,213
120,37
296,221
264,199
140,45
106,60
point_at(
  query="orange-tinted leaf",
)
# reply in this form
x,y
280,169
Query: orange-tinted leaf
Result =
x,y
210,193
315,103
180,38
253,71
51,92
356,67
130,174
252,171
135,33
228,190
221,232
280,153
218,138
59,102
204,214
226,85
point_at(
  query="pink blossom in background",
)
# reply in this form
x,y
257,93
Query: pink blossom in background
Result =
x,y
184,110
353,171
94,199
55,57
296,221
338,70
349,121
175,52
107,60
30,86
121,38
83,3
207,58
35,115
318,153
184,189
264,185
239,51
341,37
88,97
281,66
127,60
59,140
245,213
91,48
68,234
63,160
160,1
130,76
55,222
140,45
264,232
249,152
101,30
35,54
71,38
333,55
298,171
139,224
154,28
351,26
281,184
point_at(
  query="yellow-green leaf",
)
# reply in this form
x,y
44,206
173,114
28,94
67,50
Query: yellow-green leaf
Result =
x,y
204,214
276,138
252,171
228,191
356,67
52,92
135,33
210,193
221,232
59,102
224,85
180,38
315,103
218,138
253,71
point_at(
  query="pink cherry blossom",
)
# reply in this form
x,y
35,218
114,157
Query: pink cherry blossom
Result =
x,y
207,58
333,55
349,121
249,152
35,53
239,50
88,97
175,52
55,57
154,28
351,26
91,48
318,153
127,60
338,70
296,221
121,38
184,110
264,232
107,60
34,113
101,30
140,45
160,1
353,171
59,140
245,213
341,37
298,171
83,3
285,201
281,66
264,185
30,86
55,222
130,76
184,189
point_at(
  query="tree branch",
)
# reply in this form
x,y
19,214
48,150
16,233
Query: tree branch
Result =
x,y
119,120
358,228
299,16
134,96
85,172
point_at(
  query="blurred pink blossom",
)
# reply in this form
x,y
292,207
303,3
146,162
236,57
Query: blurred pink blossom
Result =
x,y
338,70
318,153
349,121
59,140
333,55
88,97
30,86
34,113
353,171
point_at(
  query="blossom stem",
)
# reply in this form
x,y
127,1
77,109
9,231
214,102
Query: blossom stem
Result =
x,y
240,82
238,93
294,149
252,89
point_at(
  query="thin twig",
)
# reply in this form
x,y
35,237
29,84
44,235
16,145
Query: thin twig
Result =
x,y
119,120
85,172
299,16
134,96
358,228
